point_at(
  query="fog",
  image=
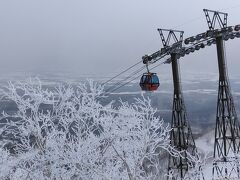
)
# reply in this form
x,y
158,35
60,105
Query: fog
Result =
x,y
103,37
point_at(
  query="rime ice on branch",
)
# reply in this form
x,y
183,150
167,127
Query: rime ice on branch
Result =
x,y
66,133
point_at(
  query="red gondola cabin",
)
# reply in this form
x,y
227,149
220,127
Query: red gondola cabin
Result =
x,y
149,82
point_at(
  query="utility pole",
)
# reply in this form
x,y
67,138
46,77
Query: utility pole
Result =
x,y
227,136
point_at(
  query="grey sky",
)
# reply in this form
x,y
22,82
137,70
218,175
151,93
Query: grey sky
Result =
x,y
102,36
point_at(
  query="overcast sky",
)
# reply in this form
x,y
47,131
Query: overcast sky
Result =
x,y
103,36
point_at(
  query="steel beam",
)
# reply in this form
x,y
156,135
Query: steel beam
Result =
x,y
175,74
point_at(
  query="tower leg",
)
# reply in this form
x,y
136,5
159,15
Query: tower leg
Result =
x,y
181,135
227,139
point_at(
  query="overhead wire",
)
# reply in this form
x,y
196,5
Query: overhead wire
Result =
x,y
157,65
232,7
132,79
121,72
123,85
187,22
119,83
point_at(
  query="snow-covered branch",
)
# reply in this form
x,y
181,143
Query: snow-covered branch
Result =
x,y
66,133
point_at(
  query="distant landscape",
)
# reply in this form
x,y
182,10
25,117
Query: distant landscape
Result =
x,y
200,94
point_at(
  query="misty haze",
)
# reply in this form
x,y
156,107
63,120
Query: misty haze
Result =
x,y
111,90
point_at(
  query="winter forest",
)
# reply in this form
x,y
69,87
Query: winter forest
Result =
x,y
66,133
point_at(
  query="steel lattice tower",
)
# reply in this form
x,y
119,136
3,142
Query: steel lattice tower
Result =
x,y
181,135
227,132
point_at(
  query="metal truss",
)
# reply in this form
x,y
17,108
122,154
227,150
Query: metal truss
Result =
x,y
227,131
181,136
215,16
171,36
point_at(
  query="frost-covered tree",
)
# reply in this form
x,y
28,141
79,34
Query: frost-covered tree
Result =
x,y
66,133
200,167
196,165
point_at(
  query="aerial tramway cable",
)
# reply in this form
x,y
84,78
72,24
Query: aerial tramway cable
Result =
x,y
123,80
122,72
131,79
136,77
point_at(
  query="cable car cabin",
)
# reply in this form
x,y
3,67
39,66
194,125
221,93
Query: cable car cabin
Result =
x,y
149,82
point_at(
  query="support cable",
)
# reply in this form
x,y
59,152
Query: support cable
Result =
x,y
123,84
123,80
114,89
121,73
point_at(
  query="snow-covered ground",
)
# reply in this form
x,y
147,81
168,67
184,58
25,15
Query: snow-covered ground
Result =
x,y
205,145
